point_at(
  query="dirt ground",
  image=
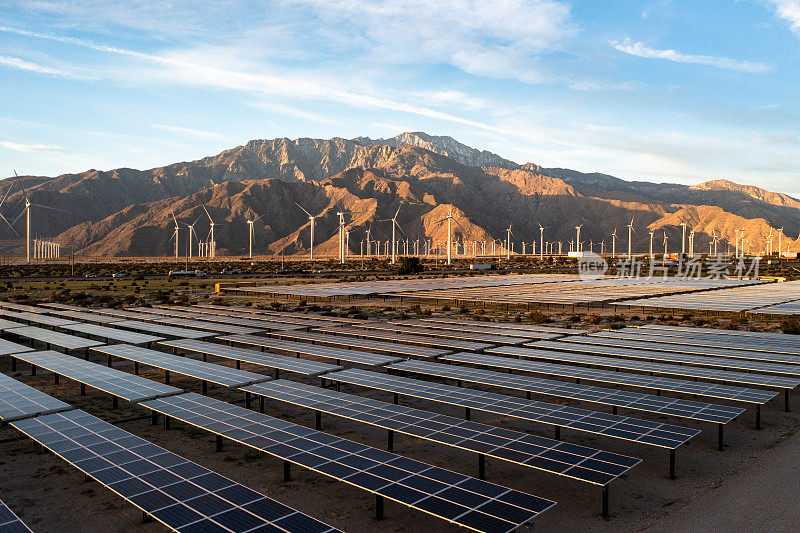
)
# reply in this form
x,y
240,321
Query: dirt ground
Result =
x,y
751,485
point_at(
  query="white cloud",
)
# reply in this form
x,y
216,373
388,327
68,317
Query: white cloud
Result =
x,y
450,97
21,64
41,148
188,131
293,112
588,85
640,49
499,39
788,10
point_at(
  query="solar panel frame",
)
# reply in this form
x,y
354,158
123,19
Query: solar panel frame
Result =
x,y
384,474
481,340
270,312
483,439
19,401
108,333
297,321
163,329
362,344
477,328
229,329
153,479
315,350
36,318
791,354
512,325
765,335
682,386
55,338
404,336
8,348
6,325
115,382
742,367
207,372
83,316
10,522
278,362
245,322
631,429
699,335
654,346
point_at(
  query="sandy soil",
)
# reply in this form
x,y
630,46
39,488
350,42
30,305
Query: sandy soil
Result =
x,y
751,485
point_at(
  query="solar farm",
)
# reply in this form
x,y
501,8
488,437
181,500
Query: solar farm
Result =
x,y
212,417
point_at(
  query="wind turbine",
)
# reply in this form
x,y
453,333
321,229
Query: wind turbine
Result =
x,y
175,233
683,238
541,242
508,242
665,244
691,244
212,250
780,240
651,245
189,237
311,218
449,218
614,244
395,225
27,212
578,238
251,231
630,240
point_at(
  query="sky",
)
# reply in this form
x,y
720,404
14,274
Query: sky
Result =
x,y
667,91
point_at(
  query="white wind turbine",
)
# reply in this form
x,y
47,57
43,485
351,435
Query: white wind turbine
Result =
x,y
27,212
213,243
1,205
509,233
683,239
175,233
541,242
651,244
396,226
578,238
780,240
630,240
251,230
189,237
614,244
665,243
311,218
449,218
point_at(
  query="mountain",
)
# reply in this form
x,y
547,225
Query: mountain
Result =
x,y
128,212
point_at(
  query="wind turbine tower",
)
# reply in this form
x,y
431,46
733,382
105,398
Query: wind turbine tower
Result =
x,y
311,218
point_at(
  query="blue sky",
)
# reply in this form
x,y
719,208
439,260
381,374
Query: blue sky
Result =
x,y
677,91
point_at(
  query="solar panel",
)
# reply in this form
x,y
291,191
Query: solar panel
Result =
x,y
304,348
615,352
84,316
8,347
273,320
454,497
20,307
207,372
486,330
452,338
18,401
162,329
36,318
247,322
789,354
364,344
55,338
696,350
284,314
180,494
556,457
109,380
776,340
109,334
278,362
408,336
180,322
9,522
735,333
615,426
711,390
513,325
9,324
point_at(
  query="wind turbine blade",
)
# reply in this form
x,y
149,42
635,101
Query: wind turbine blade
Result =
x,y
459,223
398,227
303,208
18,216
398,210
9,225
6,195
440,221
48,207
209,216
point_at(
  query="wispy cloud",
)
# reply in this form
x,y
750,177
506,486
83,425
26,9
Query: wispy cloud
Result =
x,y
788,10
640,49
41,148
188,131
588,85
21,64
450,97
293,112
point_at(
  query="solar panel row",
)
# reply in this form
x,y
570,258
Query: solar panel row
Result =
x,y
9,522
18,401
180,494
454,497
